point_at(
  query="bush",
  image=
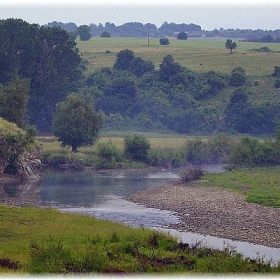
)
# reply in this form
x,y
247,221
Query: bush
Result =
x,y
55,158
164,41
277,83
182,36
191,174
136,147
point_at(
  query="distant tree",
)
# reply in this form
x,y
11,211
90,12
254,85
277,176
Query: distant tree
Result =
x,y
105,34
84,32
169,68
230,45
276,71
182,36
124,59
139,66
238,77
76,123
164,41
73,35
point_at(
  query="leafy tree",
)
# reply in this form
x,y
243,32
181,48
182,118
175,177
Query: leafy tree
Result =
x,y
238,77
13,101
136,147
76,123
139,66
169,68
124,60
105,34
164,41
230,45
84,32
182,36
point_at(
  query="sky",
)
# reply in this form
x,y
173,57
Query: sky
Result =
x,y
209,14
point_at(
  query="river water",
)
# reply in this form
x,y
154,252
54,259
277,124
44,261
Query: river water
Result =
x,y
102,194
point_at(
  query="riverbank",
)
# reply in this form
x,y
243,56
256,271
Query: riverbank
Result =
x,y
215,211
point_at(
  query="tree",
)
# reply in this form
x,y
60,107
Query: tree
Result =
x,y
124,59
136,147
84,32
230,45
182,36
238,77
169,68
164,41
76,123
105,34
13,101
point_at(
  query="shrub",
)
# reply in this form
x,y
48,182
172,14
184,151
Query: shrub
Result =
x,y
164,41
182,36
190,174
136,147
277,83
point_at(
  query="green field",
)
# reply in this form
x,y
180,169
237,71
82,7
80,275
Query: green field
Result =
x,y
199,55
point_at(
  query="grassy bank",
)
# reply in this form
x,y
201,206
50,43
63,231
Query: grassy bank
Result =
x,y
40,241
259,185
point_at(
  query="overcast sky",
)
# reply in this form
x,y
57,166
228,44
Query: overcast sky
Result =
x,y
211,14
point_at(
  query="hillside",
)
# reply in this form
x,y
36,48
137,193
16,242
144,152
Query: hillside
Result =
x,y
199,56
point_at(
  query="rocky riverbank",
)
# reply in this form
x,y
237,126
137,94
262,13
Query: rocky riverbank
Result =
x,y
217,212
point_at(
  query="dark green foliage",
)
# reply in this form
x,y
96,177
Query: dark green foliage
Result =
x,y
276,72
251,152
105,34
76,123
230,45
277,83
124,60
238,77
169,68
164,41
13,101
84,32
136,147
182,36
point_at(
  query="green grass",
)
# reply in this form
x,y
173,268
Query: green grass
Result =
x,y
258,185
43,241
199,55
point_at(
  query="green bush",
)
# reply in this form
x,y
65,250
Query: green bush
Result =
x,y
164,41
136,147
55,158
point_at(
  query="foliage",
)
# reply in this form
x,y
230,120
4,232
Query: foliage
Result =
x,y
47,58
107,155
230,45
238,77
164,41
13,101
76,123
12,146
136,147
277,83
105,34
190,174
182,36
84,32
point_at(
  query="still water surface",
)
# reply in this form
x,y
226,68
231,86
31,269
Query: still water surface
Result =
x,y
102,195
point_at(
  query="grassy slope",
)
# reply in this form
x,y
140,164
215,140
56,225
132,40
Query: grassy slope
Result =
x,y
200,55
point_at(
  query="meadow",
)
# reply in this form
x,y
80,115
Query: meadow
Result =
x,y
200,55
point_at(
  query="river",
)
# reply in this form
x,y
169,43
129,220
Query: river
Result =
x,y
102,194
